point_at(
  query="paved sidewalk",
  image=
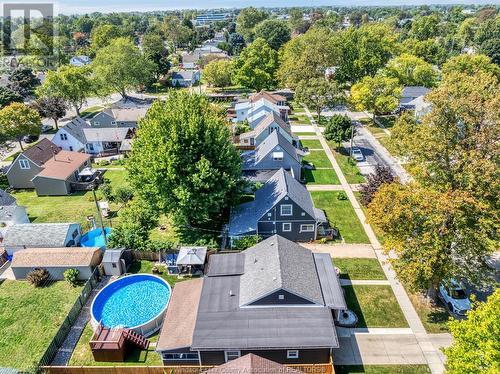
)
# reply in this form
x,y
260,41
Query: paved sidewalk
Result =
x,y
324,187
428,350
342,250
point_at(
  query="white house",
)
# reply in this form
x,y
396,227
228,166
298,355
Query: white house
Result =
x,y
185,78
70,137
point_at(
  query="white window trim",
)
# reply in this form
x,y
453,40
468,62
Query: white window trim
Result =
x,y
289,224
287,205
306,224
164,356
231,353
24,164
292,353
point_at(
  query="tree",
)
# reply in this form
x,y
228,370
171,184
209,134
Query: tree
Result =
x,y
410,70
23,81
121,66
72,84
217,73
376,94
154,50
426,27
236,43
429,50
175,32
256,66
274,32
50,107
103,35
338,129
8,96
319,93
246,21
382,175
470,64
182,161
491,48
476,340
18,120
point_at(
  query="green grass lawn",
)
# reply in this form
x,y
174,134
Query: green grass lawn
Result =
x,y
340,213
30,318
381,369
69,208
347,165
375,306
320,176
299,133
299,119
434,317
318,159
360,268
82,355
311,143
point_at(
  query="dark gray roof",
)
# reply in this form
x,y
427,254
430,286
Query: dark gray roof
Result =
x,y
184,74
244,217
330,284
275,140
414,92
38,234
226,264
112,255
41,152
279,264
75,129
6,198
222,324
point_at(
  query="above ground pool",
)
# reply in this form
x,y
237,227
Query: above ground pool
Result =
x,y
95,238
135,301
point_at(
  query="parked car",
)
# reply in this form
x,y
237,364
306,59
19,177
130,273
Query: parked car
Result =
x,y
357,154
455,297
47,128
30,138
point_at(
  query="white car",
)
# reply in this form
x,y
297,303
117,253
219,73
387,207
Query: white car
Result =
x,y
357,154
455,297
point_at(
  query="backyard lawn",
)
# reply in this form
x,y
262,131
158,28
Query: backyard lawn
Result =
x,y
381,369
320,176
30,318
375,306
311,143
340,213
319,159
347,165
360,268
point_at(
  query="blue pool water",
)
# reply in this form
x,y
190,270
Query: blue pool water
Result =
x,y
95,238
131,301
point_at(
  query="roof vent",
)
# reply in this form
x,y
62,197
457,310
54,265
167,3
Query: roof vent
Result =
x,y
231,293
275,279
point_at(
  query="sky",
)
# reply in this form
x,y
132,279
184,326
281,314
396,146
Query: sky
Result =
x,y
89,6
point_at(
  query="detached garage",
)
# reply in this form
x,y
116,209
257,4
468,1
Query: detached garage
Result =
x,y
56,261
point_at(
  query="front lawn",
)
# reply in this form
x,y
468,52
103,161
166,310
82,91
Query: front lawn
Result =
x,y
29,319
382,369
299,119
360,268
347,165
340,213
319,159
311,143
320,176
375,306
434,317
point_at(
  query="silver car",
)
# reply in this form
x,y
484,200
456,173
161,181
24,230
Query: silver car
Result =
x,y
357,154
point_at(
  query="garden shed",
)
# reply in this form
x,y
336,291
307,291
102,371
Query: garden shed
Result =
x,y
116,261
56,261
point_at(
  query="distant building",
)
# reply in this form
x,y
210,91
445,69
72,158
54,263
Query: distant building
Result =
x,y
208,18
409,94
185,78
80,61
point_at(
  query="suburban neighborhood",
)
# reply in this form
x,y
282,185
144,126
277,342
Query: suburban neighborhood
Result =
x,y
288,188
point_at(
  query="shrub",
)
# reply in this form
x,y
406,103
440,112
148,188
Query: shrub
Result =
x,y
98,194
374,181
123,194
246,242
107,191
342,196
103,163
38,276
71,276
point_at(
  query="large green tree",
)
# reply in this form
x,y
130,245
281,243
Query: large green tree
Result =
x,y
71,83
103,35
120,67
425,27
154,50
247,20
476,340
274,32
23,81
319,94
471,64
339,129
377,94
410,70
256,66
182,161
18,120
8,96
217,73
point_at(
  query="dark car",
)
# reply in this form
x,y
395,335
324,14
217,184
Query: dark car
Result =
x,y
30,138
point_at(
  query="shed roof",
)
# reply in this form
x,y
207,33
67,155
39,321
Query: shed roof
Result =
x,y
112,255
63,165
223,264
55,257
192,256
38,234
180,318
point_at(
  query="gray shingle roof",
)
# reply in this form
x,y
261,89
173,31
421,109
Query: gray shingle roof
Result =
x,y
7,211
268,120
112,255
411,92
6,198
252,159
75,129
106,134
38,234
244,217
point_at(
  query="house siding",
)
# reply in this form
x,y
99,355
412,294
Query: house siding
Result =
x,y
102,120
56,273
306,356
21,178
51,187
70,144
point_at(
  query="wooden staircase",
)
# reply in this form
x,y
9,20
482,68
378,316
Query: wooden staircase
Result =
x,y
137,339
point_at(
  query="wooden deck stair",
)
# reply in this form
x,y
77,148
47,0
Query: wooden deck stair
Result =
x,y
137,339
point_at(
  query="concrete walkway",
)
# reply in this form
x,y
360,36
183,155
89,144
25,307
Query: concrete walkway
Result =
x,y
324,187
342,250
427,349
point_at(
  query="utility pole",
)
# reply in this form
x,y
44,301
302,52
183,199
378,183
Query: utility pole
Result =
x,y
352,138
94,187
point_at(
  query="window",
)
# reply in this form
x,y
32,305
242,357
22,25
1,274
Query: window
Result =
x,y
286,210
303,214
71,148
292,353
306,228
180,356
96,123
24,164
90,146
232,355
113,264
113,122
63,136
269,214
278,156
287,227
281,297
